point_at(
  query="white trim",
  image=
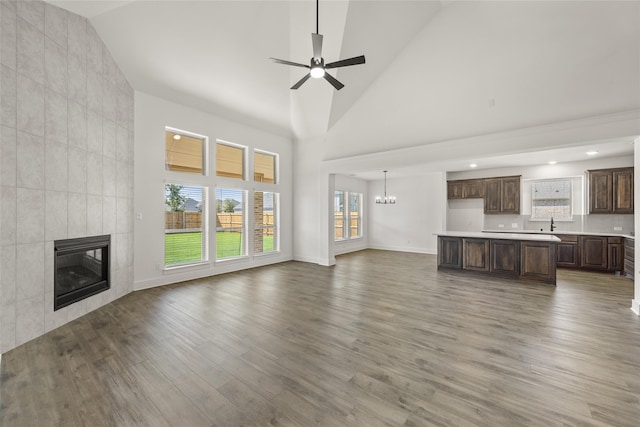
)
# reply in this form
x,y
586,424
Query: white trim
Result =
x,y
635,306
429,251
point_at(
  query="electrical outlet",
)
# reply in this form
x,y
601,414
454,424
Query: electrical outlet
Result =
x,y
139,215
617,228
500,225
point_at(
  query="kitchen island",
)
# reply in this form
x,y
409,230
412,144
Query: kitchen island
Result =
x,y
530,257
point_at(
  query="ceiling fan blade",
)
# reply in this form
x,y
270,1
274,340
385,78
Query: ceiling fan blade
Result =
x,y
282,61
316,39
346,62
302,80
334,82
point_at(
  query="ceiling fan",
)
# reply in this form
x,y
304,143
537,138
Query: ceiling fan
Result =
x,y
317,67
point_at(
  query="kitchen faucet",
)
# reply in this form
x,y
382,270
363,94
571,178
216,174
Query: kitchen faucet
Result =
x,y
552,226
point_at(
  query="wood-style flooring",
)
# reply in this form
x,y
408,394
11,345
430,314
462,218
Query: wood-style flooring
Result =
x,y
382,338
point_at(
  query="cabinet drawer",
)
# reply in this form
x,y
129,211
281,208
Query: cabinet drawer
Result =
x,y
612,240
567,238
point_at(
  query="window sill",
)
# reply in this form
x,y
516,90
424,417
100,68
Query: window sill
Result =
x,y
180,267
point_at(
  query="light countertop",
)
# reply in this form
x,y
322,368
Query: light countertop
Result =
x,y
502,236
557,232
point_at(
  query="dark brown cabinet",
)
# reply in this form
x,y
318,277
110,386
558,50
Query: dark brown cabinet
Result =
x,y
475,254
509,258
623,191
472,189
465,189
611,191
568,251
538,261
502,195
629,252
594,254
504,257
615,255
450,252
454,190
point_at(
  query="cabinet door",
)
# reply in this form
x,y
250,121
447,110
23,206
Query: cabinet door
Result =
x,y
450,252
472,189
511,195
615,257
475,254
505,256
623,191
538,261
600,191
454,189
492,195
593,252
568,254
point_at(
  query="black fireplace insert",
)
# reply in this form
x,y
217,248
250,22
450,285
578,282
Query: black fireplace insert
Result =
x,y
81,269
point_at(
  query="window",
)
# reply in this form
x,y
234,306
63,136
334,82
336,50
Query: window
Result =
x,y
264,167
230,223
347,216
184,152
551,199
185,236
229,161
355,215
265,217
338,214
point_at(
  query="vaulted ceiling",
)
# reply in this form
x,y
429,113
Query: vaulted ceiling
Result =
x,y
435,70
214,55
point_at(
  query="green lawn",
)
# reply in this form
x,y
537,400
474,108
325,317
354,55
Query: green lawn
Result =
x,y
187,247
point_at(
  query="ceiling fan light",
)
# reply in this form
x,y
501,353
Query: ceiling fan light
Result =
x,y
317,72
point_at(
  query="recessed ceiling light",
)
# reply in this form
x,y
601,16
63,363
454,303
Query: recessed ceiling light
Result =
x,y
473,165
552,162
176,137
592,153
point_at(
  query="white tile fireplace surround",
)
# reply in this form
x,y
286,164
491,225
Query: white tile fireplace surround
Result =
x,y
66,158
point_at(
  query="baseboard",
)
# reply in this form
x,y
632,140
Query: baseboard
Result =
x,y
635,306
428,251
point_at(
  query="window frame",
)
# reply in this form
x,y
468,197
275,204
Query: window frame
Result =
x,y
245,226
276,166
346,216
205,151
570,200
275,227
204,259
245,162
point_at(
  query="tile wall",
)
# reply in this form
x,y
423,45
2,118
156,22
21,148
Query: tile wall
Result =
x,y
66,161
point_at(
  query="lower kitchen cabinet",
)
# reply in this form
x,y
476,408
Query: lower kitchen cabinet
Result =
x,y
594,254
615,255
450,252
504,256
629,249
475,254
568,251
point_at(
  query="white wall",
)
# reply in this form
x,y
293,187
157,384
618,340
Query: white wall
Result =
x,y
410,224
346,183
152,115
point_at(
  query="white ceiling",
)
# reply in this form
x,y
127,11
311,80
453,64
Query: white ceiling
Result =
x,y
213,55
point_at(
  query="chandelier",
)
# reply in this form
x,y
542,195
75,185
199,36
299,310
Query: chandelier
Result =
x,y
386,200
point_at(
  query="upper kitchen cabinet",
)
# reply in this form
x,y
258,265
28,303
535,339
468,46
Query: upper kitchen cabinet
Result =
x,y
502,195
465,189
611,191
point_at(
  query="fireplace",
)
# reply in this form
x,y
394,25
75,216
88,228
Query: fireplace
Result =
x,y
81,269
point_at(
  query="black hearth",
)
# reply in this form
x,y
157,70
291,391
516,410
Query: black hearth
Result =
x,y
81,269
